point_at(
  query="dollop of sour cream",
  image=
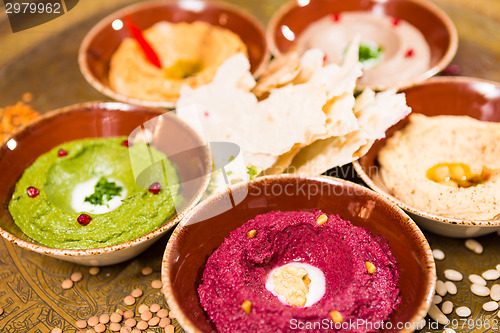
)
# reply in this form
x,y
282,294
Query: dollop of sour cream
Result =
x,y
84,189
317,286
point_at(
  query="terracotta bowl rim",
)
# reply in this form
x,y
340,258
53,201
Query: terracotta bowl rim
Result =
x,y
92,33
105,106
428,259
429,6
454,80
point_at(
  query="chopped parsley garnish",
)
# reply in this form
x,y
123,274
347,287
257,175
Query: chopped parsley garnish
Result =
x,y
252,171
103,191
369,52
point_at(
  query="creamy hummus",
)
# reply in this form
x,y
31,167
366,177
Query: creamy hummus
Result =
x,y
299,251
190,54
82,194
404,51
427,142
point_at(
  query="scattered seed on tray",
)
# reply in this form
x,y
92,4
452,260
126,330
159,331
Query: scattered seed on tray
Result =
x,y
156,284
164,322
90,331
440,288
490,306
1,311
154,321
495,292
449,330
453,275
447,307
115,327
474,246
450,287
479,290
125,329
136,293
169,329
129,300
171,314
128,314
94,320
99,328
76,276
56,330
491,274
437,299
142,325
155,308
135,330
163,313
463,311
131,322
81,324
437,315
94,270
142,308
474,278
115,317
146,315
67,284
104,319
438,254
147,270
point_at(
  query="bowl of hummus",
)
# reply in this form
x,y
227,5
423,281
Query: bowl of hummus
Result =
x,y
440,163
402,42
293,253
98,183
143,54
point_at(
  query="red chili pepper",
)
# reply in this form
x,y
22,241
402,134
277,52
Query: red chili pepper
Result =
x,y
149,52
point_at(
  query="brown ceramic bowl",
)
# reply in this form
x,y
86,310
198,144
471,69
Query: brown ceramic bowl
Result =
x,y
200,233
102,41
432,22
101,119
440,96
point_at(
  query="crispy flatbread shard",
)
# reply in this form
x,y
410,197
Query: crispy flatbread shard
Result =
x,y
377,112
280,72
340,118
322,155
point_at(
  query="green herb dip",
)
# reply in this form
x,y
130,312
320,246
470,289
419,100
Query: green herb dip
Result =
x,y
50,219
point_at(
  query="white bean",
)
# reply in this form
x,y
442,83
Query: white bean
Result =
x,y
474,246
437,299
498,267
479,290
440,288
474,278
450,287
491,274
447,307
438,254
495,292
453,275
437,315
463,311
449,330
490,306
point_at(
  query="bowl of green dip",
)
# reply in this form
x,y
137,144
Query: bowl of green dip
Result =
x,y
98,183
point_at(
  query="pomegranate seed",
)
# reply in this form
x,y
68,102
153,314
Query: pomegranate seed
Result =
x,y
324,59
126,143
32,191
206,114
409,53
451,70
62,153
155,188
336,17
395,22
84,219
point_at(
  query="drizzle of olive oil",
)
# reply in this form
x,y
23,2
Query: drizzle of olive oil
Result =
x,y
457,175
183,68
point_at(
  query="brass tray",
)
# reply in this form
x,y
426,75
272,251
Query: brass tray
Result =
x,y
43,61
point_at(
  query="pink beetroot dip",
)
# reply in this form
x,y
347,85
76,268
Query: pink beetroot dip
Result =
x,y
238,269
